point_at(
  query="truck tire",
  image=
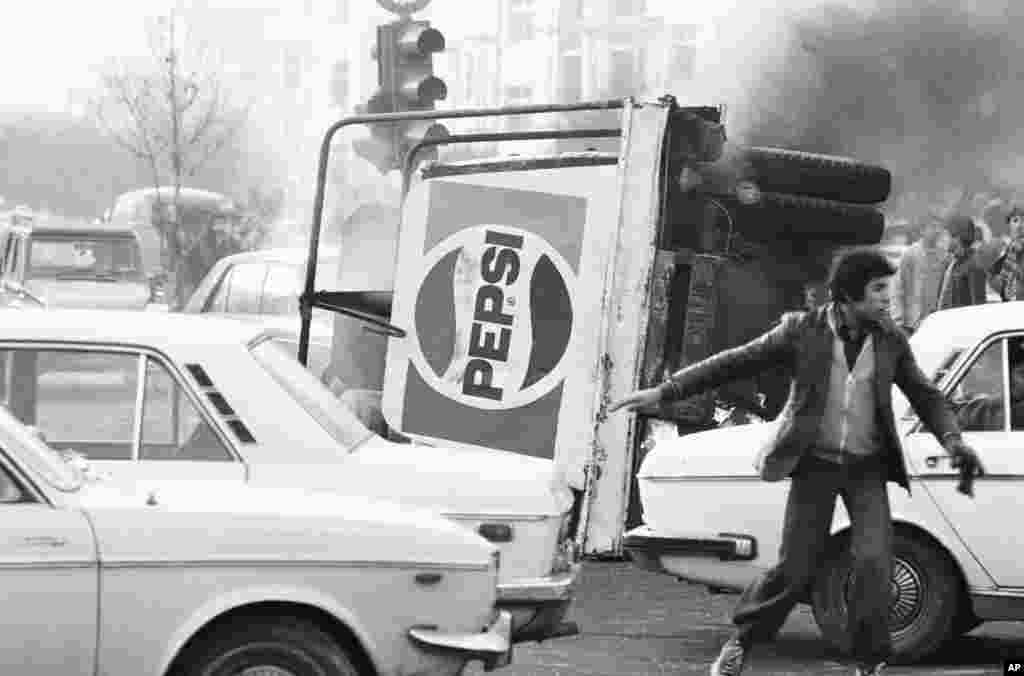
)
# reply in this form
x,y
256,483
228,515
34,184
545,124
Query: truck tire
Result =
x,y
926,599
778,216
285,645
827,177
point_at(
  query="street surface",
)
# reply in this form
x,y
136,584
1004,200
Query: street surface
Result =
x,y
636,623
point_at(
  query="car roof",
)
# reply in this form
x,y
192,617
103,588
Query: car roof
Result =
x,y
66,227
964,326
293,255
160,330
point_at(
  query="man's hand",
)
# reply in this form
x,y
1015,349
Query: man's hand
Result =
x,y
968,462
638,399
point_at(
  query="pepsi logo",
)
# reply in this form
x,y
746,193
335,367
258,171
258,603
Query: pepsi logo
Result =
x,y
493,317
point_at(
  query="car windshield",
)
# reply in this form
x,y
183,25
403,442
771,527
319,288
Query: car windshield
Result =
x,y
310,393
32,451
86,257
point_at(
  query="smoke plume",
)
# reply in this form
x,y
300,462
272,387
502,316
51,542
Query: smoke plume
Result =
x,y
931,89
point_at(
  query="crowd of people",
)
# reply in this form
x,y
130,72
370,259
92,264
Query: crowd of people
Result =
x,y
944,269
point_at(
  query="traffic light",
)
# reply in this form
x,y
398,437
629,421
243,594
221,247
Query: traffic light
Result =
x,y
405,73
406,63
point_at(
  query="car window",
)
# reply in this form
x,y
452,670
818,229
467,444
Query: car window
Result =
x,y
172,427
1015,357
14,269
246,288
281,290
218,301
80,400
979,398
86,257
10,490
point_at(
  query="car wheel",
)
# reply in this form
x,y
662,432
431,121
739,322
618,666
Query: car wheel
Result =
x,y
812,175
267,647
926,598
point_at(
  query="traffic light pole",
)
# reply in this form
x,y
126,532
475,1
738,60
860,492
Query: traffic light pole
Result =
x,y
542,135
311,298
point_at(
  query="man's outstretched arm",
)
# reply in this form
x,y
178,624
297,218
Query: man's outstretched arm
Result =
x,y
743,361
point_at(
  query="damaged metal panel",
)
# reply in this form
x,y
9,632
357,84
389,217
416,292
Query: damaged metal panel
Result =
x,y
654,367
626,312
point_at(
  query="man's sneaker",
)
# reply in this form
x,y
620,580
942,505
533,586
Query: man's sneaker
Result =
x,y
731,660
875,670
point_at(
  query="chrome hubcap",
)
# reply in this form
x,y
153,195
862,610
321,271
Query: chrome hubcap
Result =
x,y
906,589
907,596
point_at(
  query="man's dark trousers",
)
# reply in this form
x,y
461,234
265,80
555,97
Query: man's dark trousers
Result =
x,y
816,482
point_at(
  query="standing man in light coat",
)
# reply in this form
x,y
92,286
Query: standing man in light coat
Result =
x,y
915,288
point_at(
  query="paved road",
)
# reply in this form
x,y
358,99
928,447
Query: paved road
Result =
x,y
636,623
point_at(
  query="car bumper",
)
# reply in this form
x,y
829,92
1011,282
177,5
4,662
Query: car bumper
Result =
x,y
493,646
647,549
538,606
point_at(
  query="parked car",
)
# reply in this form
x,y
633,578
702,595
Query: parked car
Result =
x,y
190,578
263,284
156,396
67,264
709,519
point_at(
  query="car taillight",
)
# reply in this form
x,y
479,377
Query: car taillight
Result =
x,y
565,548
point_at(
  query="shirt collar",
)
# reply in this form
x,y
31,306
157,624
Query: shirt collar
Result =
x,y
837,323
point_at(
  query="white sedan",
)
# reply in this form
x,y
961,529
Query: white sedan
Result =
x,y
224,580
155,396
709,518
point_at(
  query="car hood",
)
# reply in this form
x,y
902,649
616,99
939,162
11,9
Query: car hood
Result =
x,y
446,480
229,521
83,293
724,451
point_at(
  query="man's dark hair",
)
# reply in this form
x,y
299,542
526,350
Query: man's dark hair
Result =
x,y
853,269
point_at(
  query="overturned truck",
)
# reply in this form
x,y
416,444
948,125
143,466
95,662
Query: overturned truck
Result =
x,y
522,293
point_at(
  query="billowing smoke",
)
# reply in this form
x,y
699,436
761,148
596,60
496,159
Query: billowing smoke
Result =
x,y
931,89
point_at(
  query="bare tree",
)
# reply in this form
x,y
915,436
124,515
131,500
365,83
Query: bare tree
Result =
x,y
171,113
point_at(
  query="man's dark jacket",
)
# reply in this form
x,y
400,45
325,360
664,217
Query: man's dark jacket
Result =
x,y
804,342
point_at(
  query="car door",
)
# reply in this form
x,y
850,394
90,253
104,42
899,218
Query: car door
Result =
x,y
982,395
49,583
129,412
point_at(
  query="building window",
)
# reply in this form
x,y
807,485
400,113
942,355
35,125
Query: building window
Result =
x,y
684,62
571,78
630,7
626,74
339,84
341,15
521,24
292,71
